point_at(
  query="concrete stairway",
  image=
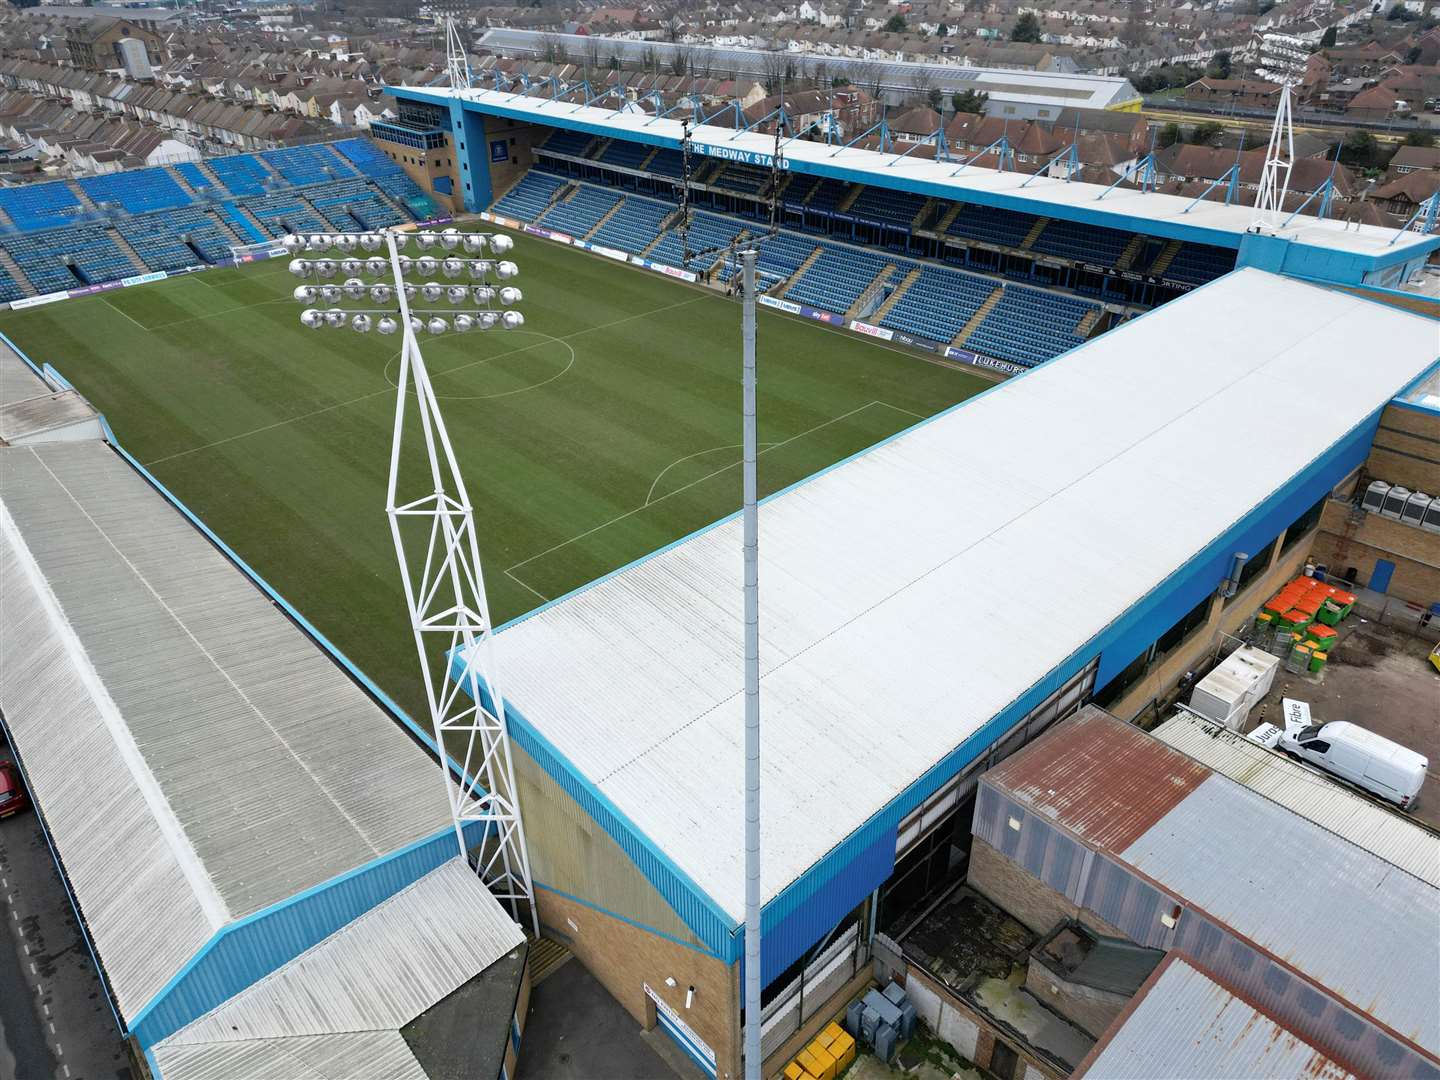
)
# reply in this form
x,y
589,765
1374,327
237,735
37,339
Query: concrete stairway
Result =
x,y
1088,321
13,269
980,315
1034,233
546,957
84,199
789,283
868,293
849,198
1131,253
179,178
1165,258
950,215
607,216
130,253
895,296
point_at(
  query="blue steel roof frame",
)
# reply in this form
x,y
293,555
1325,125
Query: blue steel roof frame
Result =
x,y
1097,215
1141,618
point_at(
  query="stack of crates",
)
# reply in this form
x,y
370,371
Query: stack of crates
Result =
x,y
1309,609
827,1056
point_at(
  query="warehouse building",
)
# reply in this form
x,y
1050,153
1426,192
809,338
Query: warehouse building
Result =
x,y
262,861
1267,917
928,606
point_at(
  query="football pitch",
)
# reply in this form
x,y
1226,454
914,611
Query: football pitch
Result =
x,y
604,429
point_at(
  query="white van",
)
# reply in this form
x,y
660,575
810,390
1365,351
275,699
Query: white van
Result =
x,y
1352,753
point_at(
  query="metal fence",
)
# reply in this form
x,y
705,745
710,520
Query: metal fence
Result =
x,y
834,966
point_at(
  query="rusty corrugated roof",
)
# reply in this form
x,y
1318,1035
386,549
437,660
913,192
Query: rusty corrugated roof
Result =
x,y
1100,778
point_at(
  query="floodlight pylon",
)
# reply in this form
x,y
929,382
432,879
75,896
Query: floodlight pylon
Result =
x,y
1283,58
457,60
450,617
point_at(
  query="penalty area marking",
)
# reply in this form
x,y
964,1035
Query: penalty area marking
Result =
x,y
544,340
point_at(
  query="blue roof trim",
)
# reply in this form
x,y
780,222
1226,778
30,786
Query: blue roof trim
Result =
x,y
245,951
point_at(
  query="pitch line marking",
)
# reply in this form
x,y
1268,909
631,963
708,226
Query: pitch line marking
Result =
x,y
686,487
390,386
658,476
525,585
133,321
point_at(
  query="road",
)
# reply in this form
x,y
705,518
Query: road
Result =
x,y
55,1020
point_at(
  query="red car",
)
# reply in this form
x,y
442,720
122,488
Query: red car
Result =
x,y
12,793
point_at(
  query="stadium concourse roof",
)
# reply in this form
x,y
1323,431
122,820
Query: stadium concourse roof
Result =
x,y
1152,213
914,593
1185,1023
344,1008
1060,90
194,753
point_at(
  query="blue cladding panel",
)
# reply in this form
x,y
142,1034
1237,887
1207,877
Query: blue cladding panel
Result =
x,y
245,952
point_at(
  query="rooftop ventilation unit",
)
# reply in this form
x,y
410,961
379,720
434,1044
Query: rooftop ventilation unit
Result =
x,y
1415,507
1374,497
1394,504
1432,517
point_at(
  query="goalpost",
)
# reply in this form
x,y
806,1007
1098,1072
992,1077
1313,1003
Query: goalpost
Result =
x,y
265,249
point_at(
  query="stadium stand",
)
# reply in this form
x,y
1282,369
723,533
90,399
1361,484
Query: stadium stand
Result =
x,y
1004,228
746,179
349,185
706,231
667,163
581,212
136,192
1084,243
573,143
1197,263
1029,326
635,225
895,207
530,198
939,303
779,258
625,154
835,280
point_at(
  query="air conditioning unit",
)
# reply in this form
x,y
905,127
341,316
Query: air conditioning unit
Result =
x,y
1374,497
1395,500
1415,507
1228,693
1432,517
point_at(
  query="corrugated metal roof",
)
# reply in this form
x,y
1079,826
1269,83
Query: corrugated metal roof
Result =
x,y
26,419
366,1055
1188,1027
913,593
1386,833
377,973
1122,207
17,381
1091,775
256,758
1345,918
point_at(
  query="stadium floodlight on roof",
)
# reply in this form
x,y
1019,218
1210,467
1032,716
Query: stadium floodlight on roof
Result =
x,y
434,532
457,61
1283,59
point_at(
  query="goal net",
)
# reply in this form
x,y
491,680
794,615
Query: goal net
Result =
x,y
265,249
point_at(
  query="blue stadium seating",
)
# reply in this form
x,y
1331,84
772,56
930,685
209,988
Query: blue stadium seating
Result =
x,y
9,288
160,243
707,231
827,194
573,143
580,213
138,192
408,194
41,206
1029,326
528,199
939,303
367,157
285,213
242,174
780,256
1084,243
895,207
1195,264
628,155
669,163
1003,228
308,164
242,225
745,179
198,181
634,226
837,278
44,258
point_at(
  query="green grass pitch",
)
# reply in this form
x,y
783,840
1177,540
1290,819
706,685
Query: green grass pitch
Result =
x,y
603,430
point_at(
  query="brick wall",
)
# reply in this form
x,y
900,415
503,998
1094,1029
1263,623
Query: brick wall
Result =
x,y
967,1030
625,958
1415,552
1026,897
1407,450
1092,1009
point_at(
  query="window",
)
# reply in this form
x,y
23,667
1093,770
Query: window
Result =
x,y
1258,564
1316,746
1304,523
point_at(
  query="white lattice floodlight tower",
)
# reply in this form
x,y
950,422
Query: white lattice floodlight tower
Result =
x,y
457,62
432,521
1282,59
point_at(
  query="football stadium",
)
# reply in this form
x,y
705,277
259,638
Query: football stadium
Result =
x,y
1027,444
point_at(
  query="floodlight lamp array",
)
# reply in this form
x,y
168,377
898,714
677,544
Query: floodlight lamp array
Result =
x,y
473,287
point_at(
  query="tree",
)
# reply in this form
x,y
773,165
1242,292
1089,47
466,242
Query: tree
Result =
x,y
1328,39
1171,134
1412,56
1026,28
1358,147
1219,66
969,101
1206,133
868,75
895,24
922,82
650,61
1420,138
680,60
613,63
778,67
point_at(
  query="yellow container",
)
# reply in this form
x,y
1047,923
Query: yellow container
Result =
x,y
820,1061
794,1071
827,1035
843,1047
